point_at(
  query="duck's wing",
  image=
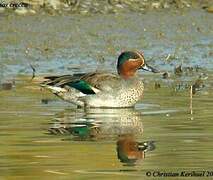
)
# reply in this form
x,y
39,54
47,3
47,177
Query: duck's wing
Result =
x,y
101,80
60,80
87,83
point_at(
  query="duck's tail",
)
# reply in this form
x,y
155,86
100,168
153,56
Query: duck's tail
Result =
x,y
66,93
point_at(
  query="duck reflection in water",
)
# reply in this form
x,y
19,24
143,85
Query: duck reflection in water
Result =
x,y
129,151
80,131
119,125
97,124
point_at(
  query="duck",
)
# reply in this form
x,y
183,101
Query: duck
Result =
x,y
101,89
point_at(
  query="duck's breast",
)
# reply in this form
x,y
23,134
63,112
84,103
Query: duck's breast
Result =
x,y
124,95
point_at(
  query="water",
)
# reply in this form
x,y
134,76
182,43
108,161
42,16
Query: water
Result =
x,y
44,137
41,136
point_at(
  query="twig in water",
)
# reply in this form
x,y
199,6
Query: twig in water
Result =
x,y
33,71
190,106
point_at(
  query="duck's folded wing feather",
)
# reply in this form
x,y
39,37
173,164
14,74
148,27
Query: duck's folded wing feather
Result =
x,y
61,80
88,83
101,80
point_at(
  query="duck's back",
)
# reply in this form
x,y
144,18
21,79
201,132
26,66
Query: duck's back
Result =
x,y
102,81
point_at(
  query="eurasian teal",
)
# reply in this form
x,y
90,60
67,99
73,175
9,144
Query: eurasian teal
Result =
x,y
102,89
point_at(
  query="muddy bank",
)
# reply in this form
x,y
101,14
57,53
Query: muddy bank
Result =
x,y
53,7
76,43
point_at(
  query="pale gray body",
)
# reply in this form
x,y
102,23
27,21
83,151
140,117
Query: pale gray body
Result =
x,y
110,91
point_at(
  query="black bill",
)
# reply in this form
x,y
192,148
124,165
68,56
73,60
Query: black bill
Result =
x,y
149,68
